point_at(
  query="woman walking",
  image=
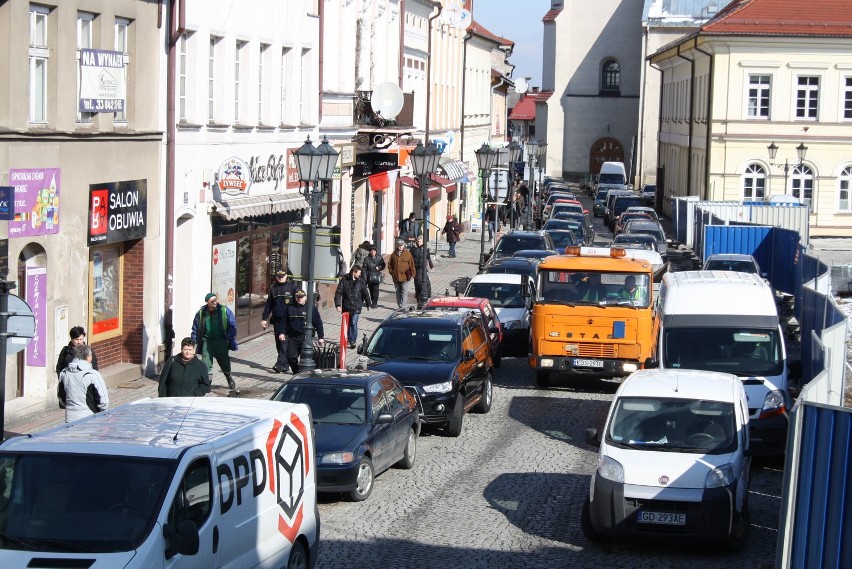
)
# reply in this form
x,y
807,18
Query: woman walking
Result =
x,y
373,266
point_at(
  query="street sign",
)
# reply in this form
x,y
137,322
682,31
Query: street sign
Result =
x,y
20,326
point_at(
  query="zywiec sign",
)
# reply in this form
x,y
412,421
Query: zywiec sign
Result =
x,y
117,211
236,176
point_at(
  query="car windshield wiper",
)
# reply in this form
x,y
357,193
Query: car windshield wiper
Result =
x,y
420,358
376,355
57,544
9,540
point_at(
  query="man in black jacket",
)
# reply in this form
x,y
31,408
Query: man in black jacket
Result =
x,y
351,295
291,329
184,375
66,355
280,296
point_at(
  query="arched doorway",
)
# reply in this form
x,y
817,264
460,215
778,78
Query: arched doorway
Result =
x,y
32,262
604,150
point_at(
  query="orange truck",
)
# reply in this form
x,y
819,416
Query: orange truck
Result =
x,y
593,314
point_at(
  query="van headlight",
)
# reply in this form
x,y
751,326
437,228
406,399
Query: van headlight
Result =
x,y
610,469
444,387
720,477
337,458
774,400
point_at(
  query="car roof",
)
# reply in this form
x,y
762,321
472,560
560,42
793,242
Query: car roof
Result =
x,y
531,254
351,376
643,224
523,233
681,384
457,302
633,237
731,257
497,277
427,317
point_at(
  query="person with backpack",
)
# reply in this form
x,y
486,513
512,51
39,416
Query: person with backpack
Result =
x,y
214,330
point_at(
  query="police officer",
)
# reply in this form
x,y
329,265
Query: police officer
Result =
x,y
291,329
280,296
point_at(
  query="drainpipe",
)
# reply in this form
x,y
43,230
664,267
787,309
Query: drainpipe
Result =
x,y
691,119
429,74
658,198
640,159
709,117
401,61
321,49
467,37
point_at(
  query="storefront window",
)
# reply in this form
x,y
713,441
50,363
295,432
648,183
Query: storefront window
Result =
x,y
243,275
105,292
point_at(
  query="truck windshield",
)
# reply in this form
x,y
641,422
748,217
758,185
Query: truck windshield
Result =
x,y
587,287
60,502
679,425
740,351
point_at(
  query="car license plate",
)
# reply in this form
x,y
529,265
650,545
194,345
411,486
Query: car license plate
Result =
x,y
579,362
663,518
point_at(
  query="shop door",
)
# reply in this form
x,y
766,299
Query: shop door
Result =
x,y
252,282
378,217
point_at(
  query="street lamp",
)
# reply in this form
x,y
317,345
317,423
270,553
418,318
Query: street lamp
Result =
x,y
532,152
801,151
424,162
486,158
316,168
514,152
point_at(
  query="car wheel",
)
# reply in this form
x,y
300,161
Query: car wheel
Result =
x,y
542,379
364,480
298,557
454,427
738,539
484,404
407,461
588,529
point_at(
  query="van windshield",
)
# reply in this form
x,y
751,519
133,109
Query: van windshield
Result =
x,y
611,179
679,425
75,503
740,351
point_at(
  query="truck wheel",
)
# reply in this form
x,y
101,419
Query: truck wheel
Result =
x,y
542,379
739,533
484,404
588,529
298,558
407,461
454,427
364,481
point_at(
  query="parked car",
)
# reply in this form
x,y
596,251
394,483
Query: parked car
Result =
x,y
552,198
620,205
643,209
569,225
655,230
513,266
622,219
515,240
563,238
649,194
635,239
610,198
511,295
583,218
486,312
443,357
733,262
534,253
364,423
600,202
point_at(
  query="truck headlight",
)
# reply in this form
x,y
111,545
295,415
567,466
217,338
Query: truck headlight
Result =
x,y
629,368
720,477
444,387
610,469
337,458
546,362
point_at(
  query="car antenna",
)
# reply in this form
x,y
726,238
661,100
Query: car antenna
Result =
x,y
185,415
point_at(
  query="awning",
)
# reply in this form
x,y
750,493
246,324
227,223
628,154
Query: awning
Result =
x,y
457,171
433,191
254,206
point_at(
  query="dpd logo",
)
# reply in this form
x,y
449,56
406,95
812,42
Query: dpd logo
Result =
x,y
288,466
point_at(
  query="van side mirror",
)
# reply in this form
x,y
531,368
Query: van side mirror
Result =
x,y
651,363
592,438
755,447
182,538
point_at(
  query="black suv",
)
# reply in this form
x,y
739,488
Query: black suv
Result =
x,y
444,357
515,240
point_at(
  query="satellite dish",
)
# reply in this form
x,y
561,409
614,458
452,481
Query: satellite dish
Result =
x,y
452,15
386,100
521,85
464,20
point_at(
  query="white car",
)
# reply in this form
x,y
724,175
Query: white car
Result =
x,y
511,295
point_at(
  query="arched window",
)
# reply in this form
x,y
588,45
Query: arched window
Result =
x,y
754,183
803,184
611,78
844,199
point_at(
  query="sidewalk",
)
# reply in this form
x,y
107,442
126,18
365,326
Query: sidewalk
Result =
x,y
252,362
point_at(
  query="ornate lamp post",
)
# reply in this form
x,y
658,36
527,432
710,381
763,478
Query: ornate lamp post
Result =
x,y
424,162
486,158
513,152
532,150
801,151
539,160
316,168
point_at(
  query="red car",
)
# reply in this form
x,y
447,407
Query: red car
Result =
x,y
485,309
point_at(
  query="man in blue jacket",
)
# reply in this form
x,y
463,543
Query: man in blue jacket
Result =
x,y
215,330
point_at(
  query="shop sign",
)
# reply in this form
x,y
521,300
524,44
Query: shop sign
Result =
x,y
369,163
234,176
37,300
36,202
7,209
224,274
103,81
117,211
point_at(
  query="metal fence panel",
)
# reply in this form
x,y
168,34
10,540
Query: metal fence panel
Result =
x,y
795,217
784,254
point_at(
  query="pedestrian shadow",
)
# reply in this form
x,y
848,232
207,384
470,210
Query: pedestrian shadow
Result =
x,y
248,363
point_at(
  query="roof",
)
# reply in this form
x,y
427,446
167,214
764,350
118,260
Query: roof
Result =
x,y
824,18
680,384
680,13
524,110
551,14
426,317
480,30
456,302
717,292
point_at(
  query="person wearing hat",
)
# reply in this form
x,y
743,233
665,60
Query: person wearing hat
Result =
x,y
453,229
184,375
291,329
279,297
401,269
214,330
372,267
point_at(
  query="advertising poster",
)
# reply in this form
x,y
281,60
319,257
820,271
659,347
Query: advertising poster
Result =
x,y
225,274
36,202
37,299
103,81
117,211
106,291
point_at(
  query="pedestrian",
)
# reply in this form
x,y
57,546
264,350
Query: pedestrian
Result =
x,y
490,220
291,330
453,230
401,270
360,254
372,267
408,228
351,295
184,375
214,330
422,264
66,355
280,295
81,390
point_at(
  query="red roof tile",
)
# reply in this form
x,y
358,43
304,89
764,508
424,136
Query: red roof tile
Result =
x,y
480,30
783,17
524,109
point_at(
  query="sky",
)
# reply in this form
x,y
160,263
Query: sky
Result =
x,y
520,22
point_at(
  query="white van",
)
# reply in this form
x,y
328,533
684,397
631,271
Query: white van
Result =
x,y
674,460
169,483
613,175
728,322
